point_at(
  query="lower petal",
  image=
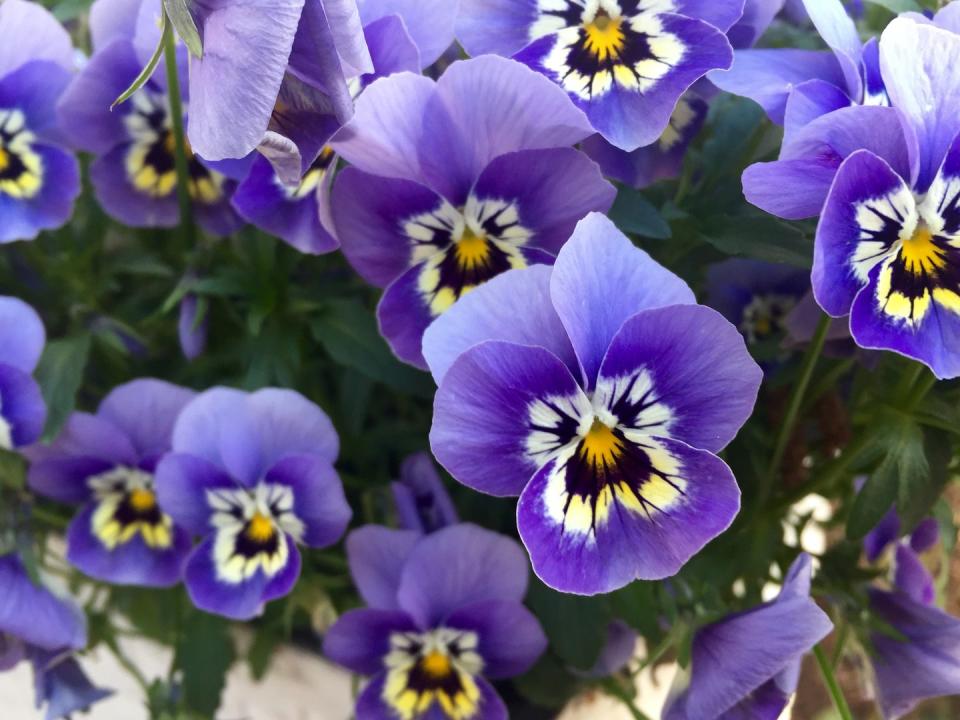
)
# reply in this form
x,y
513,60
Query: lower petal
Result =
x,y
121,200
22,409
646,526
51,206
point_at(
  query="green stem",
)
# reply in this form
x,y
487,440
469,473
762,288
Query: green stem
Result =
x,y
128,665
180,142
51,519
920,389
839,701
793,408
613,689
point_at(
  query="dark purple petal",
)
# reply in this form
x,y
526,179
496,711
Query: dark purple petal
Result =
x,y
481,414
510,637
52,206
811,100
925,535
35,88
60,683
360,639
885,532
129,563
376,556
34,615
318,498
181,484
599,280
458,566
618,650
421,500
911,577
647,527
191,330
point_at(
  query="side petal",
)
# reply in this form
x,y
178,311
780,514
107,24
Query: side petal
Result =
x,y
510,637
599,280
910,576
360,639
498,27
34,614
376,556
318,498
24,411
181,483
458,566
485,414
429,22
838,30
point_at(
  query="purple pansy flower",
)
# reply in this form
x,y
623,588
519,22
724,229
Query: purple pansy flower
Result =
x,y
39,180
271,75
598,392
456,181
445,614
22,409
624,63
300,214
422,501
909,575
885,248
38,626
134,175
748,665
107,463
252,474
192,325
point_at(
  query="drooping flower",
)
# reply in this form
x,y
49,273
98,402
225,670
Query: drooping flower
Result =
x,y
747,665
445,615
270,76
909,575
40,627
134,174
421,500
107,462
300,214
456,181
192,325
251,474
885,248
597,392
22,409
624,63
618,650
39,180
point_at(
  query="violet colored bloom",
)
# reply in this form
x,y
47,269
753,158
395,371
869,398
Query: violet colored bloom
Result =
x,y
40,627
271,75
924,663
39,180
598,392
757,17
748,665
422,501
252,474
106,462
796,86
191,329
445,615
134,174
624,64
300,214
22,409
909,575
660,161
456,181
885,249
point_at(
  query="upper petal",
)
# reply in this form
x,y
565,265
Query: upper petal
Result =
x,y
146,410
22,335
32,33
376,556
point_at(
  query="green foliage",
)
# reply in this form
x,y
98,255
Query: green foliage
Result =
x,y
60,373
204,653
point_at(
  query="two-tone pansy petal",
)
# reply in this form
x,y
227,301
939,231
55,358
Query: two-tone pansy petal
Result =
x,y
22,409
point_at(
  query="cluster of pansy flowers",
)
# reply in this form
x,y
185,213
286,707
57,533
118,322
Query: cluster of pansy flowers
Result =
x,y
573,370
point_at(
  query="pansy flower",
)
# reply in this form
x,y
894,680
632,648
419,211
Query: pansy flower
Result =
x,y
134,174
421,500
445,615
456,181
271,75
909,575
38,626
106,462
22,409
597,392
747,665
39,180
886,245
624,63
252,475
300,214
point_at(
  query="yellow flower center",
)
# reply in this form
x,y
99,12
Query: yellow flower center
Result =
x,y
142,500
4,160
920,253
605,37
472,249
260,528
436,664
600,446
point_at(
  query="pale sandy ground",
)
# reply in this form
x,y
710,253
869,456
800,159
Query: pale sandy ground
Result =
x,y
298,686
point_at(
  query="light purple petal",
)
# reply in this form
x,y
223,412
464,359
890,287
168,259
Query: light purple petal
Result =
x,y
111,20
146,411
33,614
838,30
809,101
885,532
360,639
24,409
421,499
510,637
318,498
376,556
22,335
429,22
500,27
181,482
38,36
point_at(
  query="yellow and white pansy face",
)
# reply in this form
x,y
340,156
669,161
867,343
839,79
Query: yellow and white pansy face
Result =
x,y
127,508
460,248
21,168
436,669
251,530
151,159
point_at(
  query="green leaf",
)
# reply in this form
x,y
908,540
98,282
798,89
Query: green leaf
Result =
x,y
548,683
634,214
575,625
140,80
636,605
59,374
178,13
265,642
898,6
204,654
760,237
919,491
348,332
